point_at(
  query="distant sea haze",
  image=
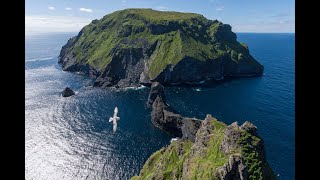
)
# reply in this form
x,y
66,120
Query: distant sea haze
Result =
x,y
71,138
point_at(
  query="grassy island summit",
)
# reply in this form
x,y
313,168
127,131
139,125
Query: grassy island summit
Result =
x,y
138,46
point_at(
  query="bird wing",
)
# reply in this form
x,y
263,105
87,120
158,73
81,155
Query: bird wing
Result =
x,y
110,119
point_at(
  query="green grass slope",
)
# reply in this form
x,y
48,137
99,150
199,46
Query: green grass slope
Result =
x,y
172,36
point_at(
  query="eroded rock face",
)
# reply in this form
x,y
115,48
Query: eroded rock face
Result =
x,y
231,136
203,136
167,119
234,169
67,92
245,139
249,127
156,90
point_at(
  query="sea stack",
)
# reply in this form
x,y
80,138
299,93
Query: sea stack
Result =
x,y
166,118
67,92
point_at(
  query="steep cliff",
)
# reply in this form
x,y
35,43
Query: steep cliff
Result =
x,y
219,152
136,46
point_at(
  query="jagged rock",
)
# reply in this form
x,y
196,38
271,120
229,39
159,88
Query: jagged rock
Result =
x,y
234,169
231,136
189,128
249,127
67,92
203,135
167,118
156,90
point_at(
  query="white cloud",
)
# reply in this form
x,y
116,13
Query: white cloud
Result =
x,y
221,8
86,10
51,8
68,8
42,24
162,8
261,27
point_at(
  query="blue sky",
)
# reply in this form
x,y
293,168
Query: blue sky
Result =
x,y
242,15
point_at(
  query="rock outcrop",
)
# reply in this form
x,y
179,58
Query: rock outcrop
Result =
x,y
234,169
211,155
67,92
166,118
138,46
157,90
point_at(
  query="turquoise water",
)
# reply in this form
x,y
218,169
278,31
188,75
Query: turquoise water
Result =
x,y
70,138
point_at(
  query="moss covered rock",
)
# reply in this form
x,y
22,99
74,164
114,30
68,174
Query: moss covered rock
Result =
x,y
218,152
133,46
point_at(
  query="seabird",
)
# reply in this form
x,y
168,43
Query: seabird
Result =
x,y
114,119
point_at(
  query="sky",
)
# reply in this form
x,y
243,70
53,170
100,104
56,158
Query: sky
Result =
x,y
259,16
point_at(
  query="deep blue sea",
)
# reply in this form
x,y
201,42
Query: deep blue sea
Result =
x,y
71,138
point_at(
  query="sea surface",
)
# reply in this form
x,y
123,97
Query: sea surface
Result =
x,y
71,138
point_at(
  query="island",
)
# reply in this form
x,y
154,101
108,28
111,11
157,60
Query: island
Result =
x,y
134,47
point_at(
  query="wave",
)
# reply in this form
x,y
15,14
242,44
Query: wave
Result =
x,y
174,139
135,88
39,59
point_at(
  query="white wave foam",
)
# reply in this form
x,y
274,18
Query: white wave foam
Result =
x,y
198,89
135,88
39,59
174,139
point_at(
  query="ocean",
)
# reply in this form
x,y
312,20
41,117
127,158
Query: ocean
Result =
x,y
71,138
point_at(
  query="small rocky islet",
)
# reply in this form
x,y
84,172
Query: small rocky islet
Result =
x,y
134,47
67,92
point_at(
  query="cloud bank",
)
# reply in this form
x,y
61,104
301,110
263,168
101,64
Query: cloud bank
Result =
x,y
86,10
43,24
51,8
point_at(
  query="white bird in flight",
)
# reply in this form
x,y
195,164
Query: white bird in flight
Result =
x,y
114,119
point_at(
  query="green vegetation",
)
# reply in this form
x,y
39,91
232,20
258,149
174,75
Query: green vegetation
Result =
x,y
204,166
250,150
168,163
203,158
174,35
171,158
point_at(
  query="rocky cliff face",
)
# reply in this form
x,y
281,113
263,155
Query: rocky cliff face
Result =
x,y
139,46
218,152
166,118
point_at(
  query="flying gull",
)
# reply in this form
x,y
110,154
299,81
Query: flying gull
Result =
x,y
114,119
